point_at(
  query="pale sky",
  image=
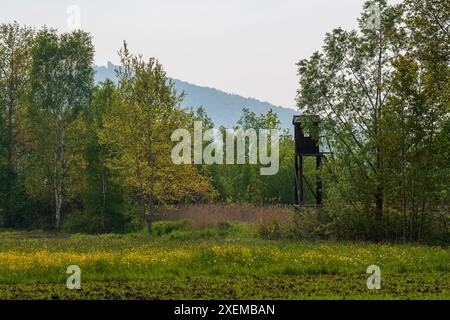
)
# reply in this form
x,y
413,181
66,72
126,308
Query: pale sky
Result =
x,y
247,47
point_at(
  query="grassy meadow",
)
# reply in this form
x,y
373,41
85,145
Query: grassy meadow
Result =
x,y
182,260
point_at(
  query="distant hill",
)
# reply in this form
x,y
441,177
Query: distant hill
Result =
x,y
223,108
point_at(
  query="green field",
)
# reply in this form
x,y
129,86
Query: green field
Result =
x,y
211,266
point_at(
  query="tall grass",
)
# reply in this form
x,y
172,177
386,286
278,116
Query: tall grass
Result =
x,y
206,215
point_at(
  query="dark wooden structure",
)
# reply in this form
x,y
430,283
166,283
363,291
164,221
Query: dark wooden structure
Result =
x,y
306,145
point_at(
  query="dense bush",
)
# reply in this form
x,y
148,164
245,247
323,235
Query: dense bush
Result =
x,y
162,228
270,228
186,230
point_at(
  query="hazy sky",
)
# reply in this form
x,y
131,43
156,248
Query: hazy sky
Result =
x,y
248,47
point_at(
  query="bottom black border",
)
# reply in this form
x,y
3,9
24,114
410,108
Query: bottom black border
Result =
x,y
231,309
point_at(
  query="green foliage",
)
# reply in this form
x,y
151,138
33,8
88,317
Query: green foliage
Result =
x,y
15,43
61,84
97,159
145,113
243,183
184,230
104,199
223,227
270,228
161,228
310,225
383,98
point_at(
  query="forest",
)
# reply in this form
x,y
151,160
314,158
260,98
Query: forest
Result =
x,y
80,157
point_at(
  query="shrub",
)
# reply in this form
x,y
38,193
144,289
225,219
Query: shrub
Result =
x,y
269,228
223,227
161,228
309,224
208,215
79,222
349,225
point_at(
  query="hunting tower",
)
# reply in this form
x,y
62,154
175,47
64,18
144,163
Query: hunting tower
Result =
x,y
306,136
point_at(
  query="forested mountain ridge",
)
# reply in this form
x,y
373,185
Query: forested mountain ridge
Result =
x,y
225,109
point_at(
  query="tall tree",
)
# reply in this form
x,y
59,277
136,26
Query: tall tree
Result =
x,y
243,182
62,79
103,197
15,44
145,113
383,93
419,107
347,85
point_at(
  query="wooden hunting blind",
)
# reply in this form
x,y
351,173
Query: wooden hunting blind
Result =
x,y
306,136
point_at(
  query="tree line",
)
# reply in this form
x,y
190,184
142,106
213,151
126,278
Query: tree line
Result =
x,y
383,95
96,157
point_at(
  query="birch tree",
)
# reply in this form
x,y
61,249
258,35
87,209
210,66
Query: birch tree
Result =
x,y
61,87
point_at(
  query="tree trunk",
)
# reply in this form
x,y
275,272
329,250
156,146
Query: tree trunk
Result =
x,y
379,204
422,213
387,227
403,160
9,214
10,169
59,178
59,202
148,219
103,200
379,214
148,224
57,189
413,209
378,104
404,205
